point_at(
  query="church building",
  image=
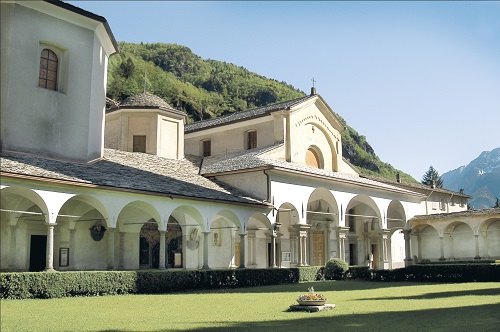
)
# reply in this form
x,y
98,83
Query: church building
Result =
x,y
134,186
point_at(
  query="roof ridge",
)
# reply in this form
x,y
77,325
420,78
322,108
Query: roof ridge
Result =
x,y
240,115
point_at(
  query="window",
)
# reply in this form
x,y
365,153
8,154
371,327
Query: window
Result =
x,y
49,65
207,148
139,143
251,140
314,158
442,204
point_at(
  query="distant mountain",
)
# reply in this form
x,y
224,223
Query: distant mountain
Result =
x,y
480,179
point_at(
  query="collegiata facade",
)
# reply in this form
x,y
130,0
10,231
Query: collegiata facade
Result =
x,y
133,186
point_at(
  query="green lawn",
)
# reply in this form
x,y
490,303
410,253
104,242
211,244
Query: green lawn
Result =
x,y
361,306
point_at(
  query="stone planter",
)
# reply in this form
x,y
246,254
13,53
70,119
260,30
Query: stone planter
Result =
x,y
311,302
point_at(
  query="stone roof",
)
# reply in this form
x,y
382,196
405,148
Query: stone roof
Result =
x,y
417,186
145,99
131,171
468,213
245,115
256,158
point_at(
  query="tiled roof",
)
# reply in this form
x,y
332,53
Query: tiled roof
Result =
x,y
145,99
417,186
467,213
132,171
246,160
244,115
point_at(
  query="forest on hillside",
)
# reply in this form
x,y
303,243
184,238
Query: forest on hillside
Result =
x,y
205,88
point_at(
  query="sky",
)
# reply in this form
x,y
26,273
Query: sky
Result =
x,y
421,80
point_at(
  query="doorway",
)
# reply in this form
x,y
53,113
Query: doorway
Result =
x,y
38,251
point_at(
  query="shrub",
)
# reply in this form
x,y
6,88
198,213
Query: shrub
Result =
x,y
336,269
359,272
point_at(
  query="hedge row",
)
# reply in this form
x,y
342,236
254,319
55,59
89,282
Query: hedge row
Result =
x,y
441,272
62,284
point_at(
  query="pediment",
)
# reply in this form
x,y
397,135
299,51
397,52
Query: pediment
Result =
x,y
316,111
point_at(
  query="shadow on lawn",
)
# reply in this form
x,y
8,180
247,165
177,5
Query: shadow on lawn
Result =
x,y
438,295
319,286
473,318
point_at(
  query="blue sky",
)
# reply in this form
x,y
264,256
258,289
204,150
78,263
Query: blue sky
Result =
x,y
421,80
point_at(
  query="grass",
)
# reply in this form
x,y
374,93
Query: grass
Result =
x,y
361,306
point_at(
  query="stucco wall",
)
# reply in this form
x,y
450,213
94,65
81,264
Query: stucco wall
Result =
x,y
229,139
65,123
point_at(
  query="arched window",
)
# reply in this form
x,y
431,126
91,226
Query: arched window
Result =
x,y
49,63
314,158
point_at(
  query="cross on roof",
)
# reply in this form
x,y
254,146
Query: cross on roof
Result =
x,y
313,81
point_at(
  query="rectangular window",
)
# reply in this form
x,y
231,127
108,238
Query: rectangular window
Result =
x,y
139,143
207,148
251,140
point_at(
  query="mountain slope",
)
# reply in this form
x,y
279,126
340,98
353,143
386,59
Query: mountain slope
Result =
x,y
480,179
209,88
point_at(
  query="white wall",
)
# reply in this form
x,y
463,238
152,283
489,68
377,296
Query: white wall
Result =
x,y
66,123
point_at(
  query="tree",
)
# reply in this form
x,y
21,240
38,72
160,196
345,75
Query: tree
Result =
x,y
432,175
497,204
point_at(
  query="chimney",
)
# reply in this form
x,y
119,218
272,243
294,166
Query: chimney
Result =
x,y
461,190
313,91
398,177
433,184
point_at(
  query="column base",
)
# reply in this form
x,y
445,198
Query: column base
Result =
x,y
49,270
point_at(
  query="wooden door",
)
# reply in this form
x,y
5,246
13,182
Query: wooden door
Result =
x,y
318,249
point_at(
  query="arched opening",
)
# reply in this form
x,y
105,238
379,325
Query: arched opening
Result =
x,y
258,232
396,221
23,230
366,246
459,242
224,246
82,235
322,214
289,229
149,245
184,242
314,157
490,238
428,243
174,244
138,236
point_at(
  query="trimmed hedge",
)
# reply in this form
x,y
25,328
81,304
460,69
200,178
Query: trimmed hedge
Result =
x,y
90,283
45,285
441,272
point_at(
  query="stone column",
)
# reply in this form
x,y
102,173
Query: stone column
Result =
x,y
162,250
300,251
419,246
12,246
205,250
111,248
242,251
251,249
476,239
233,251
407,237
342,235
441,247
49,260
72,247
121,260
273,249
305,247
